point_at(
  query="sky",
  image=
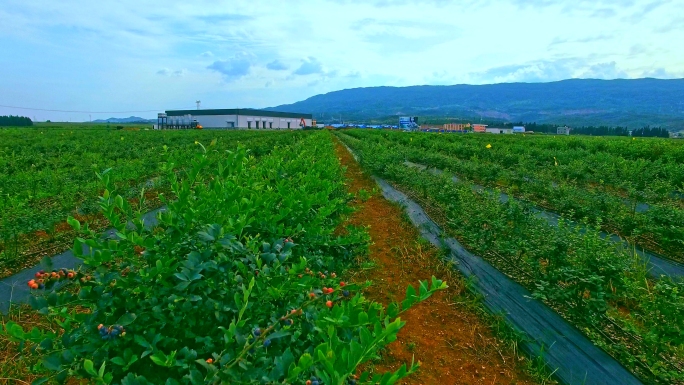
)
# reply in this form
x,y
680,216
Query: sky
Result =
x,y
122,58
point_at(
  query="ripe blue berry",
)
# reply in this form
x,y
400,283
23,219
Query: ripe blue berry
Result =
x,y
41,286
256,332
345,293
267,343
314,382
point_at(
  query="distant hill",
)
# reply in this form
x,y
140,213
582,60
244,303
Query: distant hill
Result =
x,y
631,103
131,119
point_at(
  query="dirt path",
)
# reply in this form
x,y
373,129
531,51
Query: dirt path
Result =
x,y
454,345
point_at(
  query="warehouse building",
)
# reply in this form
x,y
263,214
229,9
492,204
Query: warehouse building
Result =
x,y
563,130
233,118
493,130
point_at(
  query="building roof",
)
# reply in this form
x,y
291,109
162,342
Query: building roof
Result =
x,y
240,111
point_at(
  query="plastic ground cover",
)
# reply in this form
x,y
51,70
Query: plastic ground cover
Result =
x,y
13,289
658,265
567,352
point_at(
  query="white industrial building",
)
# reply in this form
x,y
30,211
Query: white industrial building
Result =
x,y
234,118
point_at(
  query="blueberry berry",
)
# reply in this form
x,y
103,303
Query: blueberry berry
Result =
x,y
345,293
267,343
256,332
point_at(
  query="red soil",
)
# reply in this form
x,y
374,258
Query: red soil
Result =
x,y
453,344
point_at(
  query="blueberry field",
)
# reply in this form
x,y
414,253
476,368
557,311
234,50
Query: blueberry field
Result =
x,y
278,257
592,186
49,173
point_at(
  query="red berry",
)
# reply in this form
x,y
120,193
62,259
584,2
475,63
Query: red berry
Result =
x,y
308,382
312,295
210,361
70,275
328,304
342,284
293,311
37,275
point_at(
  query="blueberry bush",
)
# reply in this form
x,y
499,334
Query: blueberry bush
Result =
x,y
241,282
632,188
603,290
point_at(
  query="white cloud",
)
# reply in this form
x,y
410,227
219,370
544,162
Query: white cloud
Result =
x,y
233,68
228,58
168,72
277,65
309,66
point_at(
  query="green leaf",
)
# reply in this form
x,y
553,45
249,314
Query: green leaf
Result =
x,y
161,359
46,263
119,361
101,372
74,223
89,367
126,319
52,362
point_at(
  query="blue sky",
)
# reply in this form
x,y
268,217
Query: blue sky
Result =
x,y
153,55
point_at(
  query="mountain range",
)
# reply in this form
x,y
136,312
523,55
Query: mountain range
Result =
x,y
629,103
130,119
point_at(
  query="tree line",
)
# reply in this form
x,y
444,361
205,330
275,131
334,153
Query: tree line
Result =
x,y
10,120
597,130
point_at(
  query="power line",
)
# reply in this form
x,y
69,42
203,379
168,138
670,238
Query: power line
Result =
x,y
85,112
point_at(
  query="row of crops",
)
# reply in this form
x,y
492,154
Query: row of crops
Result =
x,y
48,174
241,281
636,193
605,291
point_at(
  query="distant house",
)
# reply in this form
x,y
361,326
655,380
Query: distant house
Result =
x,y
500,130
518,129
479,128
563,130
455,127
